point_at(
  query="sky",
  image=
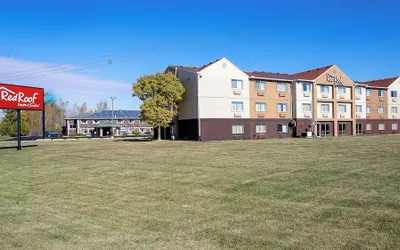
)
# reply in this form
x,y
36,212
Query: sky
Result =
x,y
362,37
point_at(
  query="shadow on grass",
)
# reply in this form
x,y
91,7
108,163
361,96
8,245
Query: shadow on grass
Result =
x,y
134,139
15,147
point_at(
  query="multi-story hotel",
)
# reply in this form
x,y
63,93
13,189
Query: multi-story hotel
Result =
x,y
223,102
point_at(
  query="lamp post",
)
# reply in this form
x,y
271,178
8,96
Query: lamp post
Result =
x,y
112,115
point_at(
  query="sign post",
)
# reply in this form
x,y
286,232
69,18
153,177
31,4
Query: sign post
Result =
x,y
21,98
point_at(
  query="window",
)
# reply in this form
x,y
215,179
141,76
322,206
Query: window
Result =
x,y
358,128
341,90
237,106
358,108
394,126
394,110
282,107
84,131
120,121
381,126
368,126
368,92
342,108
325,108
237,84
96,121
368,109
306,87
306,107
260,85
261,128
342,129
237,129
83,121
381,93
282,128
393,93
381,109
324,89
261,107
281,87
358,90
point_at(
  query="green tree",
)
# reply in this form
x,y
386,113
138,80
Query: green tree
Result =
x,y
8,125
160,94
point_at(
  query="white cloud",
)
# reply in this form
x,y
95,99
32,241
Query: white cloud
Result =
x,y
70,86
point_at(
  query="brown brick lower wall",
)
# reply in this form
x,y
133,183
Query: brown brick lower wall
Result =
x,y
374,126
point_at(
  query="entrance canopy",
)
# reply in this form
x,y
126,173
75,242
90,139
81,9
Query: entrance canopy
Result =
x,y
107,124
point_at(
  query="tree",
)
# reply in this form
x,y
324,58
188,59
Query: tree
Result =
x,y
8,125
160,94
102,105
83,109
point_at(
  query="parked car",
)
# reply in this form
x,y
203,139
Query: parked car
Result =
x,y
52,134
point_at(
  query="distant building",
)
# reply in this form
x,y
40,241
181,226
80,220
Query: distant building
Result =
x,y
102,123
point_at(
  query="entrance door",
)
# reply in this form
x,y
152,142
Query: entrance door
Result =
x,y
359,129
323,129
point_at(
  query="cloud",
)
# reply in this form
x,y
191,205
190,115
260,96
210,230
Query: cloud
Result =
x,y
70,86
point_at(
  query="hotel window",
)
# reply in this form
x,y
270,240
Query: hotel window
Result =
x,y
237,84
368,126
324,89
393,93
341,90
260,85
237,106
261,128
237,129
342,129
381,93
282,128
261,107
381,109
368,92
306,87
394,110
281,87
342,108
325,108
306,107
358,90
368,109
381,126
96,121
282,107
84,131
358,108
120,121
83,121
358,128
394,126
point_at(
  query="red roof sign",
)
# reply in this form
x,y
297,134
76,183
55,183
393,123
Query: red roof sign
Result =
x,y
21,97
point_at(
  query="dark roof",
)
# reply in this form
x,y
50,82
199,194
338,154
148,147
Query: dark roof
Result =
x,y
107,114
384,83
263,74
311,74
196,69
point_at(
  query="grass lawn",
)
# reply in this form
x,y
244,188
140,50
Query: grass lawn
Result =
x,y
4,138
336,193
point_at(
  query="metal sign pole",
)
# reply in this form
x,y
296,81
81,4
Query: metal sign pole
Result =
x,y
19,129
44,120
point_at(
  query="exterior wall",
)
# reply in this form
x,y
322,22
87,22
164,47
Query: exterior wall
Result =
x,y
375,126
221,129
216,94
362,101
188,105
300,98
127,126
324,115
374,101
271,97
394,101
346,114
346,96
321,95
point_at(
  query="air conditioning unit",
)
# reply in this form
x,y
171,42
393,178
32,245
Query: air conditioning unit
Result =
x,y
394,116
259,93
260,116
358,115
237,114
307,115
324,95
342,115
282,94
381,99
368,98
358,97
237,92
368,116
282,115
307,94
325,115
394,100
380,116
342,96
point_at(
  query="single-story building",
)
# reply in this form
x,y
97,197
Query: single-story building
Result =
x,y
107,123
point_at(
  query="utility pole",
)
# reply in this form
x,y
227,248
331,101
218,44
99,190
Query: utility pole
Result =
x,y
112,115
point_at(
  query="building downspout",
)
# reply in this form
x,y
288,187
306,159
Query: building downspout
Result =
x,y
198,107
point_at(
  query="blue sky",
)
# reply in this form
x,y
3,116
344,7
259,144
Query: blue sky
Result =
x,y
361,37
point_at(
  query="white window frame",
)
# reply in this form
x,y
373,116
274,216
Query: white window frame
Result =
x,y
308,88
394,126
324,89
327,109
381,91
368,126
261,104
341,90
358,91
234,106
280,107
342,106
236,81
284,128
394,110
261,83
381,126
391,93
358,107
368,109
281,87
83,121
381,108
261,128
237,129
306,107
96,121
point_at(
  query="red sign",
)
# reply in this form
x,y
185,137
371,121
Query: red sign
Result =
x,y
21,97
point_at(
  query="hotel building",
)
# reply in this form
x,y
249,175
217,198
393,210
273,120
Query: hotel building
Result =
x,y
223,102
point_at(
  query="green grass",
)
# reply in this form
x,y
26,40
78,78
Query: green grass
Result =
x,y
4,138
336,193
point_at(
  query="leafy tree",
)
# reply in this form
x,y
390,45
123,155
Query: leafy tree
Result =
x,y
8,125
83,109
102,105
160,94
